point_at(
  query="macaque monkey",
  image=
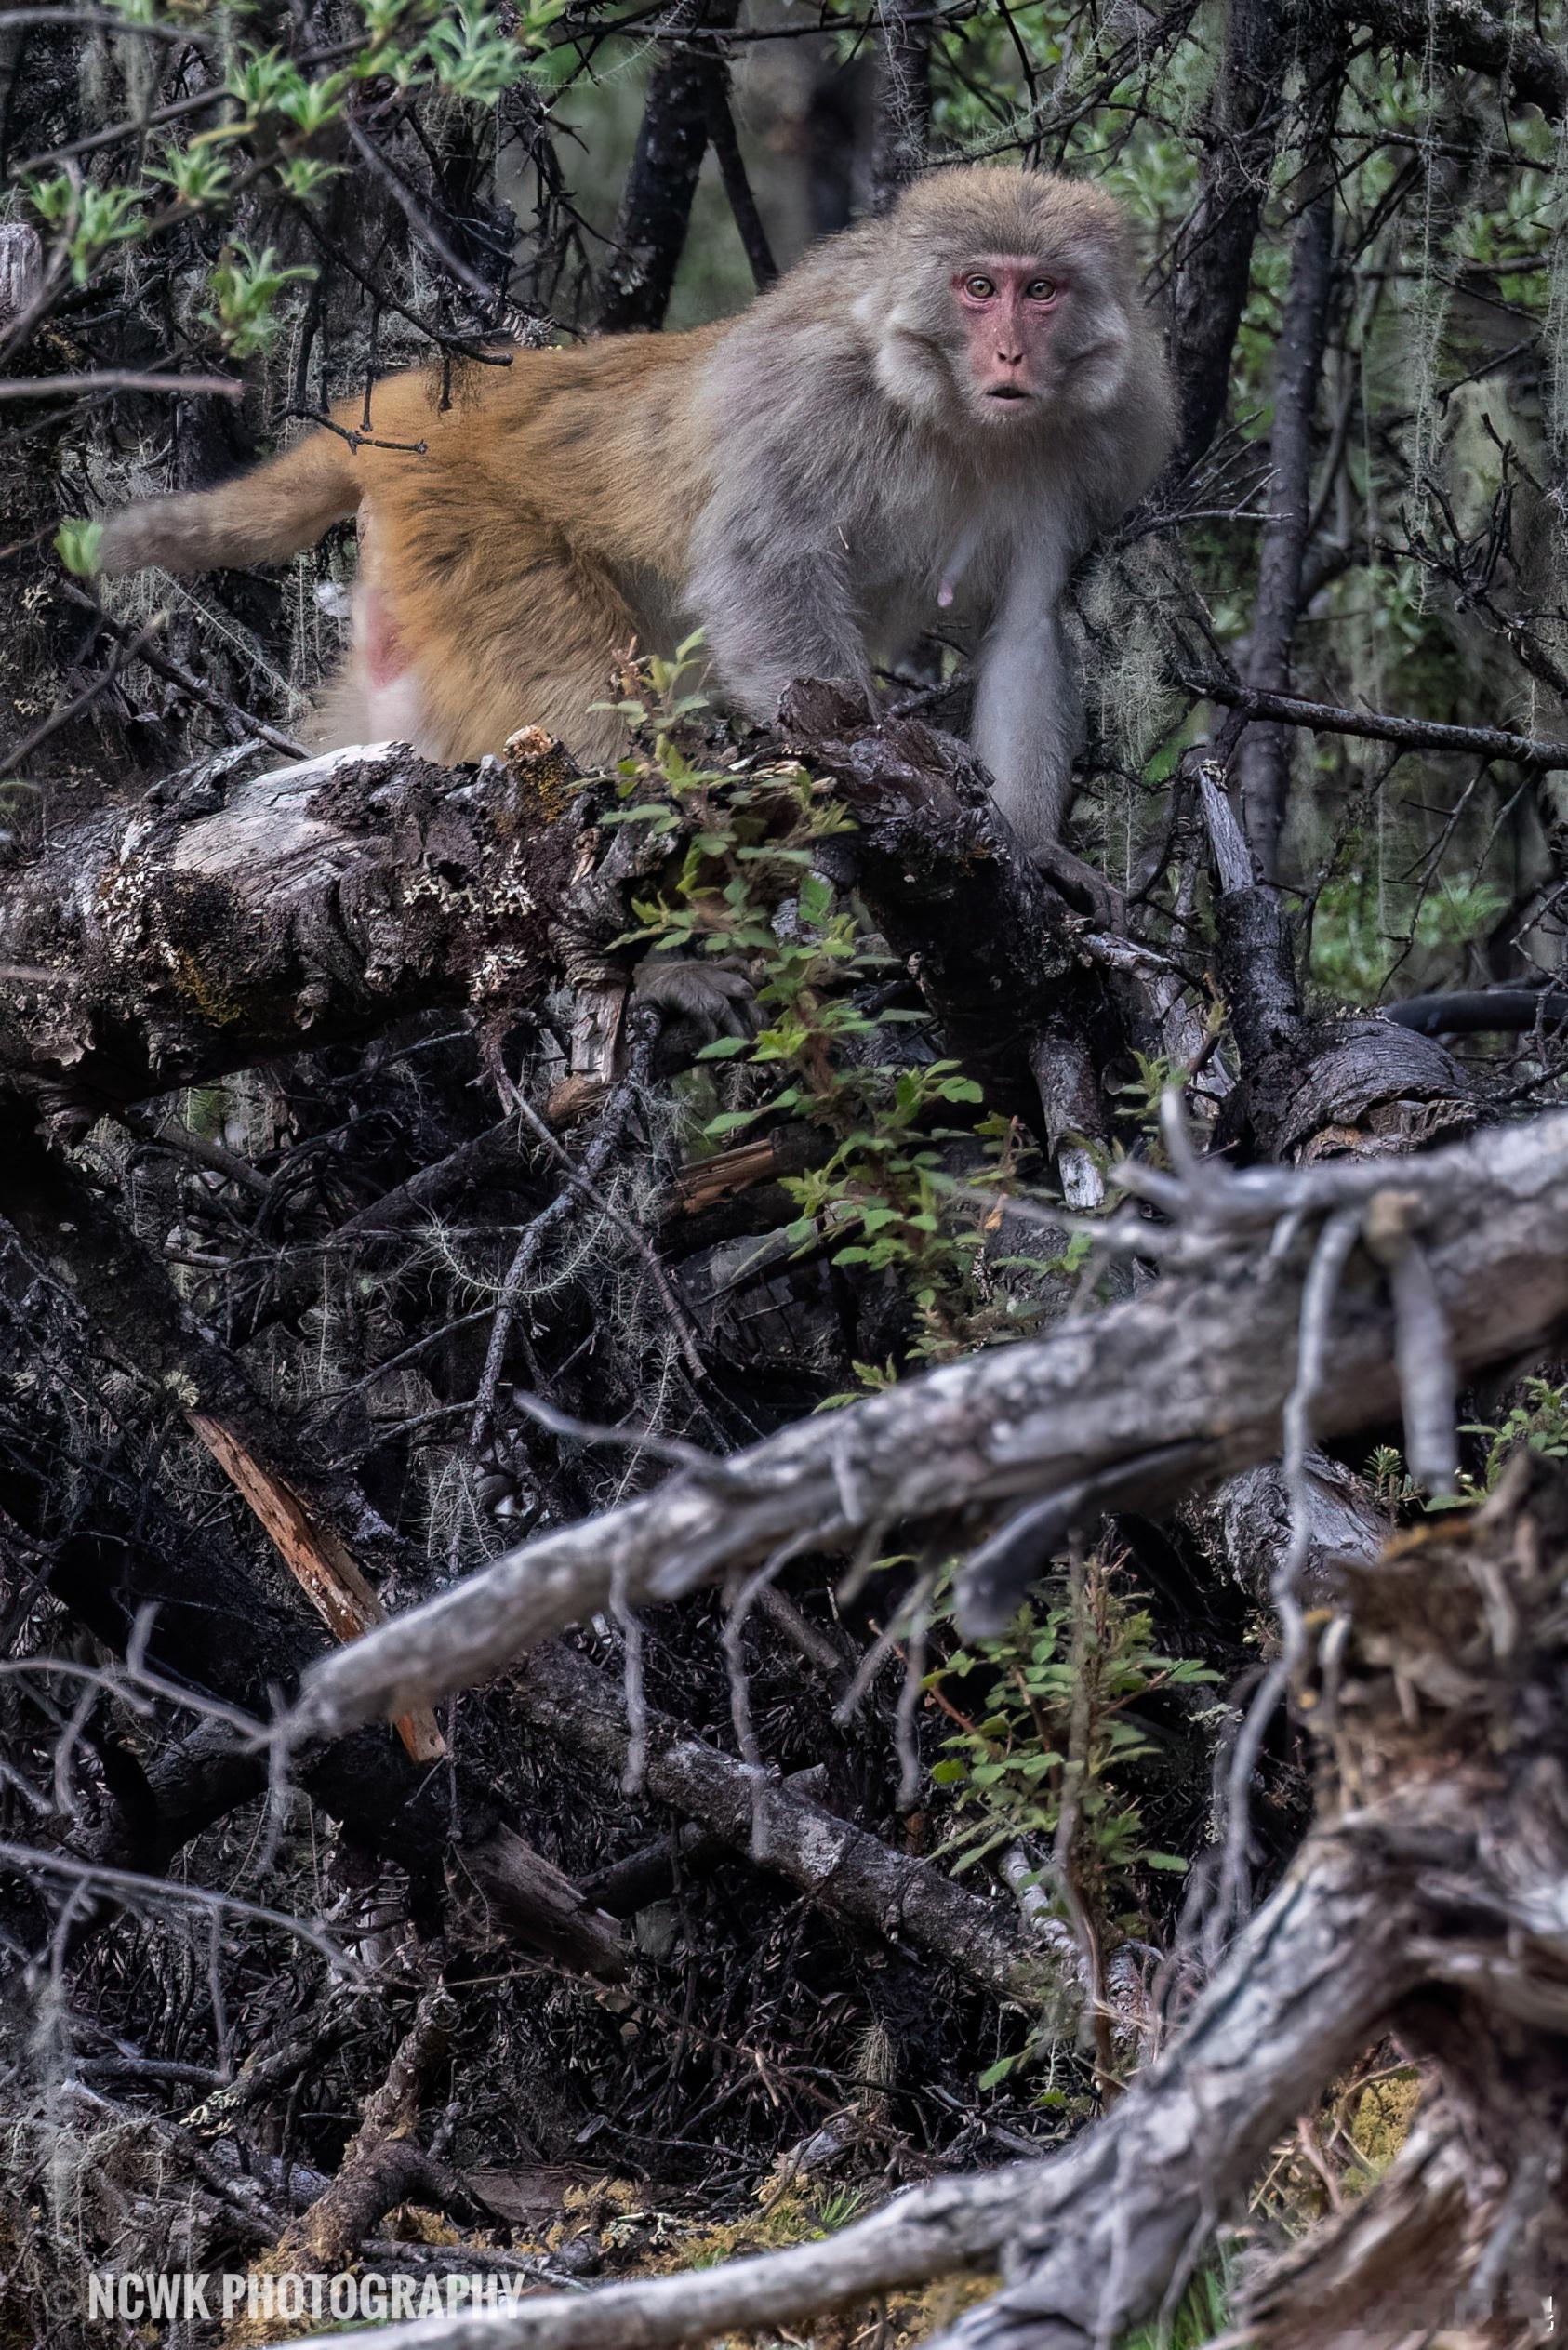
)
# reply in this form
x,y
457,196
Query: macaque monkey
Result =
x,y
932,414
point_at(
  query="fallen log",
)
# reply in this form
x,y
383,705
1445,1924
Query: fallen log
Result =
x,y
159,947
1129,1408
382,2165
850,1873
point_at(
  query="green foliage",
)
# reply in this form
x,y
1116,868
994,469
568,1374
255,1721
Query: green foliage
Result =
x,y
244,288
1202,2315
1392,1485
194,176
1539,1422
1357,945
1154,1076
281,112
265,82
1043,1756
470,55
306,178
838,2206
86,219
78,545
1011,1763
746,886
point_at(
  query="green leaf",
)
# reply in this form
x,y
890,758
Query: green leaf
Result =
x,y
79,545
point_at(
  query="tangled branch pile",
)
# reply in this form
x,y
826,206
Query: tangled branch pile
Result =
x,y
760,1570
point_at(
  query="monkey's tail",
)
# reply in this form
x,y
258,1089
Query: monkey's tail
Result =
x,y
265,516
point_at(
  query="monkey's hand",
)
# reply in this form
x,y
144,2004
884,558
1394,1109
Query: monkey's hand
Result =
x,y
711,999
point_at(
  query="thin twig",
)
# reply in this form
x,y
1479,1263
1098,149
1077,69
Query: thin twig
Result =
x,y
118,378
1373,725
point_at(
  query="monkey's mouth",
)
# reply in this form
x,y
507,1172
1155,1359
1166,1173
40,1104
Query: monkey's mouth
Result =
x,y
1008,391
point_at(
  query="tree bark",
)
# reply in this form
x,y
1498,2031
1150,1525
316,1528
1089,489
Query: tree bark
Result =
x,y
1532,71
1214,250
991,942
689,84
1264,754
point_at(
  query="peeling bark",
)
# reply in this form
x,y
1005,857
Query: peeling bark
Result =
x,y
142,952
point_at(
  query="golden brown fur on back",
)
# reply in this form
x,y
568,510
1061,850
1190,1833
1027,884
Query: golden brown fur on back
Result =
x,y
525,544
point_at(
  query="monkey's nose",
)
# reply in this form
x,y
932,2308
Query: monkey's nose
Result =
x,y
1011,358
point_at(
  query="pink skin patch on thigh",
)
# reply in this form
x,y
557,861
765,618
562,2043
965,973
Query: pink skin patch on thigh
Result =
x,y
391,694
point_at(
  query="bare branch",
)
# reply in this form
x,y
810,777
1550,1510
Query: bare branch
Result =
x,y
1376,725
1201,1364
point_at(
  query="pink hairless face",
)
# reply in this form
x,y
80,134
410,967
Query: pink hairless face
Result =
x,y
1008,306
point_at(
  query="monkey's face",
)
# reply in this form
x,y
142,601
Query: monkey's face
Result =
x,y
1009,310
1011,300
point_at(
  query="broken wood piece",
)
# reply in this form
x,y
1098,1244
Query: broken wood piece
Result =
x,y
320,1562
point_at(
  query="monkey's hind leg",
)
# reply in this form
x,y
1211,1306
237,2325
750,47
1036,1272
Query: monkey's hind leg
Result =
x,y
538,649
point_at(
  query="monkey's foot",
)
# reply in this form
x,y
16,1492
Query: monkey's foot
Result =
x,y
712,998
1086,891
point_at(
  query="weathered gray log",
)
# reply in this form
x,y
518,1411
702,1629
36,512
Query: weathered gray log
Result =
x,y
1129,1408
851,1873
1248,1523
163,945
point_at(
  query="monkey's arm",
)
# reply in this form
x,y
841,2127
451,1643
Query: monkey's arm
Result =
x,y
1027,713
773,598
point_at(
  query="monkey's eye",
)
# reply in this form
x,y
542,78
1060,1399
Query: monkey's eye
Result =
x,y
1042,289
980,289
